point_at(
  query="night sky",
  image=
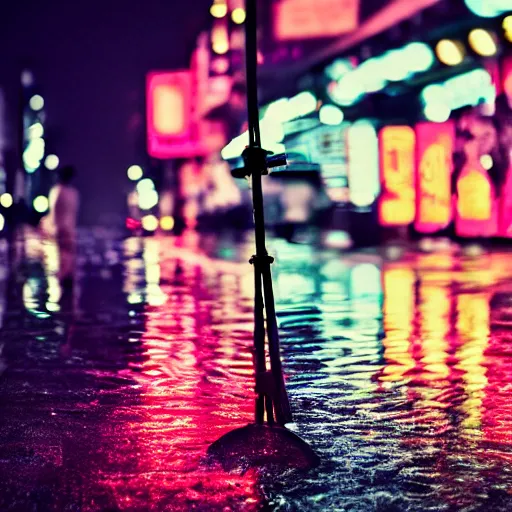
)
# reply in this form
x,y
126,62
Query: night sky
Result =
x,y
90,59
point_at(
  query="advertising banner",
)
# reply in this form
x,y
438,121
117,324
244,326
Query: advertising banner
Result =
x,y
168,112
397,205
435,144
363,152
477,177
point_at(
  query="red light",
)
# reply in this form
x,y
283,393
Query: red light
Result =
x,y
397,203
434,148
132,223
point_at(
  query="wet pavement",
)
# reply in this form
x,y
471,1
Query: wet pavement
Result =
x,y
399,374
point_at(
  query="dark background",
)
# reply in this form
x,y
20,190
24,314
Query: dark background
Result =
x,y
90,59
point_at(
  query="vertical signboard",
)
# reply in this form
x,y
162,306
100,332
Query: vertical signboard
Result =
x,y
397,205
476,188
168,112
435,144
363,158
476,211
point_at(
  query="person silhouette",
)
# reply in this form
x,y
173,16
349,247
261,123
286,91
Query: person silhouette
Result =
x,y
61,222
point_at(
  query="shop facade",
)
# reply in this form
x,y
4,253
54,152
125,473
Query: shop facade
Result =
x,y
411,130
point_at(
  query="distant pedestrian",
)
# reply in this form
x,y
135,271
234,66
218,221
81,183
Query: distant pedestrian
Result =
x,y
61,222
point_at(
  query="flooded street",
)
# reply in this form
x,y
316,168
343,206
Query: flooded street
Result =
x,y
399,375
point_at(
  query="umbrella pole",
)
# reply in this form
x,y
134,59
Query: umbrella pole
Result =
x,y
270,384
261,443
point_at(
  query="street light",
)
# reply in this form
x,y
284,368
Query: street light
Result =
x,y
219,9
36,103
238,15
135,172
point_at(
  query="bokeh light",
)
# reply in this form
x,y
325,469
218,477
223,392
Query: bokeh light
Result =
x,y
6,200
238,15
507,27
434,93
395,66
51,162
148,196
488,8
167,223
41,204
371,74
450,52
27,78
35,131
483,42
302,104
145,185
148,199
330,115
339,68
346,91
220,39
219,9
36,103
220,65
419,57
33,155
487,162
135,172
149,222
363,151
437,112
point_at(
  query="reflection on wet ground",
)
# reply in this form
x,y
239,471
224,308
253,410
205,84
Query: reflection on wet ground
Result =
x,y
399,372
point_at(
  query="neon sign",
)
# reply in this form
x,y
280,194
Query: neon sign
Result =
x,y
304,19
363,158
434,149
474,191
476,211
168,113
397,203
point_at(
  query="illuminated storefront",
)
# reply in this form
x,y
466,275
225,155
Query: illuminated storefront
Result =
x,y
414,129
444,123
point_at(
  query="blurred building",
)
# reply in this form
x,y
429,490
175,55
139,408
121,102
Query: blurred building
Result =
x,y
27,160
406,113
